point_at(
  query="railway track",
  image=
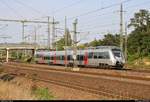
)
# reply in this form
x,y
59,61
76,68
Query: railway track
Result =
x,y
76,86
23,69
118,74
113,69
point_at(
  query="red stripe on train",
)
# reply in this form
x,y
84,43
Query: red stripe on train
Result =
x,y
86,58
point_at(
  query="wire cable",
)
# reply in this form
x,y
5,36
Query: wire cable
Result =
x,y
33,9
132,6
90,22
12,9
97,10
102,26
68,6
97,17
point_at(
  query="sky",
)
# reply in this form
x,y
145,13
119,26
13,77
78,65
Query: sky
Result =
x,y
95,17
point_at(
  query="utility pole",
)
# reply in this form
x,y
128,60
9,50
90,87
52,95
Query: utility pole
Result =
x,y
126,42
53,32
48,43
35,37
23,25
66,42
23,36
29,21
121,27
75,43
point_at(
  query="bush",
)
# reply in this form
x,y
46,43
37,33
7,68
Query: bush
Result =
x,y
132,58
43,94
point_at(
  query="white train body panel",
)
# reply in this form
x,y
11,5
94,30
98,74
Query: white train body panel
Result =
x,y
108,56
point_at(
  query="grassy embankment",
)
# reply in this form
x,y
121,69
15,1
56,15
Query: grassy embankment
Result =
x,y
138,63
9,91
22,89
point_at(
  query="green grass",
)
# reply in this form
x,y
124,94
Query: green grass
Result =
x,y
138,64
43,94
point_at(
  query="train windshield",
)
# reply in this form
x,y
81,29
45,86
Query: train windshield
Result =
x,y
117,53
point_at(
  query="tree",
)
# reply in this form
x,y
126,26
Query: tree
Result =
x,y
81,46
111,40
141,21
138,41
69,40
61,43
94,43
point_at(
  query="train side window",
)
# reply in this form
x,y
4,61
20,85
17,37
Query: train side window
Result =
x,y
37,56
69,58
48,57
78,57
103,55
100,55
57,58
52,58
63,57
90,55
45,58
106,55
95,56
81,58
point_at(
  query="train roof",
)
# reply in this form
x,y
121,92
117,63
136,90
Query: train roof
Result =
x,y
104,47
53,52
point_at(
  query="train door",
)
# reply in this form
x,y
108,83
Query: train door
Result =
x,y
95,59
42,59
54,58
90,58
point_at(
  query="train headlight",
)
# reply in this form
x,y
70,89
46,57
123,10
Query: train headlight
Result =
x,y
118,59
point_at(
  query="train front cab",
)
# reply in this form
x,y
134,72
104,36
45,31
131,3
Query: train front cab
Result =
x,y
119,60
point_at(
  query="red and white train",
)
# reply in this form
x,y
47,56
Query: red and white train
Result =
x,y
101,57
